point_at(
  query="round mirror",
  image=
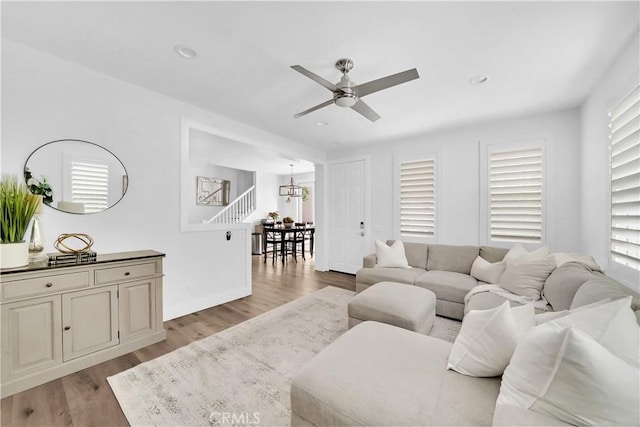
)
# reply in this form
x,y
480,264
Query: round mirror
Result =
x,y
76,176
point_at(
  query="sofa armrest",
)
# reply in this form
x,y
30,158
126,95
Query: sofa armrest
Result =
x,y
369,261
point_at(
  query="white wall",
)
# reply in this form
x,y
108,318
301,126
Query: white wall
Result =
x,y
458,153
622,76
45,98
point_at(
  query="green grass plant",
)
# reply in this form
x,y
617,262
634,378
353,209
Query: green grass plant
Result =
x,y
18,205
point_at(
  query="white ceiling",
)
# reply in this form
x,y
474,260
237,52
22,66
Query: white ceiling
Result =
x,y
540,56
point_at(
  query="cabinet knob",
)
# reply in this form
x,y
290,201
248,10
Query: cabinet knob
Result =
x,y
127,273
48,285
66,328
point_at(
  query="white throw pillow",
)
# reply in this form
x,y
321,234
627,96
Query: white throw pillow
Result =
x,y
391,256
488,338
612,324
552,315
518,252
564,373
527,277
486,271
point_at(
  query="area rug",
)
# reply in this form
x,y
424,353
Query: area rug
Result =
x,y
242,375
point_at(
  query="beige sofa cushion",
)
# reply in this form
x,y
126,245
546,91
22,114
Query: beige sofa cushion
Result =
x,y
598,289
563,283
447,285
416,253
493,254
376,374
370,276
452,258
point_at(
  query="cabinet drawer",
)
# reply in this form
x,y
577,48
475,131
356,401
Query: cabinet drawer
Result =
x,y
118,274
42,285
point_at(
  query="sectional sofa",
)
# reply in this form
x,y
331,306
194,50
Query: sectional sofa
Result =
x,y
446,271
377,374
443,269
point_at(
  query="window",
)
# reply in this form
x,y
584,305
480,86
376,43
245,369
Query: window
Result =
x,y
625,180
515,195
417,198
90,185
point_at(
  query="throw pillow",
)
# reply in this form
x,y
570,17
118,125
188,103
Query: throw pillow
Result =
x,y
552,315
516,251
527,278
564,373
612,324
488,272
488,338
391,256
520,253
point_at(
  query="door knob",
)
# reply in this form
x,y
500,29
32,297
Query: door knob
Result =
x,y
66,328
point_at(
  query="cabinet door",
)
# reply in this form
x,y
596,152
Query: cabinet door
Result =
x,y
137,306
31,336
90,321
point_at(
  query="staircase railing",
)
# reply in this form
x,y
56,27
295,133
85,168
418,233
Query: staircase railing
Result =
x,y
237,210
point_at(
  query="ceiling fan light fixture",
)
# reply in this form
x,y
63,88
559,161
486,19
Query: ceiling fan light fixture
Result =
x,y
346,100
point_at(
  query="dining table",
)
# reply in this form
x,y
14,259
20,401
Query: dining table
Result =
x,y
293,234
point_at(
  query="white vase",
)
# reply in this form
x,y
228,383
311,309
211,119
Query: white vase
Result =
x,y
14,254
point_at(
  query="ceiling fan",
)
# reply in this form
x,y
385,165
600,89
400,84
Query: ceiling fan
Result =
x,y
348,94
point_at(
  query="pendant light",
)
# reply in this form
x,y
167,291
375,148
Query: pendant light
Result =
x,y
290,190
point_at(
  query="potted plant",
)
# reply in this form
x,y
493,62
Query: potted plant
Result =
x,y
288,221
39,187
18,205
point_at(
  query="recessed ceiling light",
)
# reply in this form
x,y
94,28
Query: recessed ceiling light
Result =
x,y
185,51
322,123
478,80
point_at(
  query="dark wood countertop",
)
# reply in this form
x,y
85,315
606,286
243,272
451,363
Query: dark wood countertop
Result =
x,y
101,259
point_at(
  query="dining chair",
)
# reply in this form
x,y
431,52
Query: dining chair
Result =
x,y
294,242
272,242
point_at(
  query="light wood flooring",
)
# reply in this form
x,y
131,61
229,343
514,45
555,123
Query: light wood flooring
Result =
x,y
85,399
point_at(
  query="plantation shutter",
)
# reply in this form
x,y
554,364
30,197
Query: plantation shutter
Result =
x,y
625,180
417,198
515,195
90,185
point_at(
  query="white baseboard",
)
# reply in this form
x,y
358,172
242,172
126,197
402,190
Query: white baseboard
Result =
x,y
200,303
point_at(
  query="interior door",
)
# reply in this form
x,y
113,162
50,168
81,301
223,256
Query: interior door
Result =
x,y
347,215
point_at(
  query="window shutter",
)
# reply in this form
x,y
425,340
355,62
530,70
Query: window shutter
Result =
x,y
417,198
90,185
625,180
515,195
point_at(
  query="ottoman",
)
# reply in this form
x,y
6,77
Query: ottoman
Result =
x,y
398,304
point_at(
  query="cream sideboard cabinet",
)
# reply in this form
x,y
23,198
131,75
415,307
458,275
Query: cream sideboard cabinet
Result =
x,y
61,319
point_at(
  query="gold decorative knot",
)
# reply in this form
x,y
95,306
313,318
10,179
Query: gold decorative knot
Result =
x,y
84,238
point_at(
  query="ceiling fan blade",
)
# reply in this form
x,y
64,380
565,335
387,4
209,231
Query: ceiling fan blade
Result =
x,y
365,110
386,82
317,107
316,78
